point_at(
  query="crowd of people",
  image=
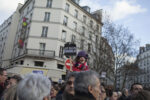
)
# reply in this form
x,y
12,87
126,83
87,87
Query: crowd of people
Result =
x,y
81,84
84,85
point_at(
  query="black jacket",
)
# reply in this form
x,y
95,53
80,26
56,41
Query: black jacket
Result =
x,y
1,90
83,98
123,97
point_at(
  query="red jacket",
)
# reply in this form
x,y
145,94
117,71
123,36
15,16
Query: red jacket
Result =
x,y
80,67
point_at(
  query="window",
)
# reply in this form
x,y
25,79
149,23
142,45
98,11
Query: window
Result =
x,y
82,44
21,62
30,17
96,39
65,21
84,19
42,48
90,36
91,24
76,14
38,63
47,16
89,47
61,51
44,31
83,30
63,37
67,7
49,4
28,30
27,10
59,66
75,26
73,39
97,27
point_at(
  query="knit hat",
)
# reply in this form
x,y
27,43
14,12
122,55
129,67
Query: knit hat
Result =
x,y
82,54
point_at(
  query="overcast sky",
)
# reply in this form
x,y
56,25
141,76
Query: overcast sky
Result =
x,y
134,14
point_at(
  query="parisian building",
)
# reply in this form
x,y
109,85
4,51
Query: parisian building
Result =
x,y
44,26
143,59
8,31
106,61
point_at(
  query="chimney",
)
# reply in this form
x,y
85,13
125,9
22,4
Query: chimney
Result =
x,y
141,49
87,8
98,15
76,1
147,46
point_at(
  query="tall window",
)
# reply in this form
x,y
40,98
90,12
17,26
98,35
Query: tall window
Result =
x,y
89,47
63,37
61,51
42,48
82,44
47,16
91,24
75,26
97,27
44,31
65,21
76,14
30,17
28,30
49,3
83,30
84,19
73,38
67,7
90,36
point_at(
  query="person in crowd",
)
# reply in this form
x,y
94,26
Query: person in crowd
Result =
x,y
14,80
54,91
113,96
135,88
34,87
119,94
3,78
60,92
124,94
81,62
103,93
142,95
10,94
7,83
68,89
87,86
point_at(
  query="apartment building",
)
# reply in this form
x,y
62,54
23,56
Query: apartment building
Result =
x,y
143,59
7,37
44,27
106,61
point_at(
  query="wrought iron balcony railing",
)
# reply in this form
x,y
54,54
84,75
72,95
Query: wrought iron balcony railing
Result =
x,y
40,53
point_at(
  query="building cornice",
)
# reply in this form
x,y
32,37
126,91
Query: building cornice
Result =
x,y
24,5
89,14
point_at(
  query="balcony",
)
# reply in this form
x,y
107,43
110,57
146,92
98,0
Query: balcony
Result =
x,y
36,53
40,53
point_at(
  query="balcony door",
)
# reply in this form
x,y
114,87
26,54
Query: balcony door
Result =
x,y
42,48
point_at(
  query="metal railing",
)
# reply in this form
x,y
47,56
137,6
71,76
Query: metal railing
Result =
x,y
40,53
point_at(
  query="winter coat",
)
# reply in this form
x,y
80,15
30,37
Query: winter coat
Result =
x,y
83,98
80,67
123,97
2,88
